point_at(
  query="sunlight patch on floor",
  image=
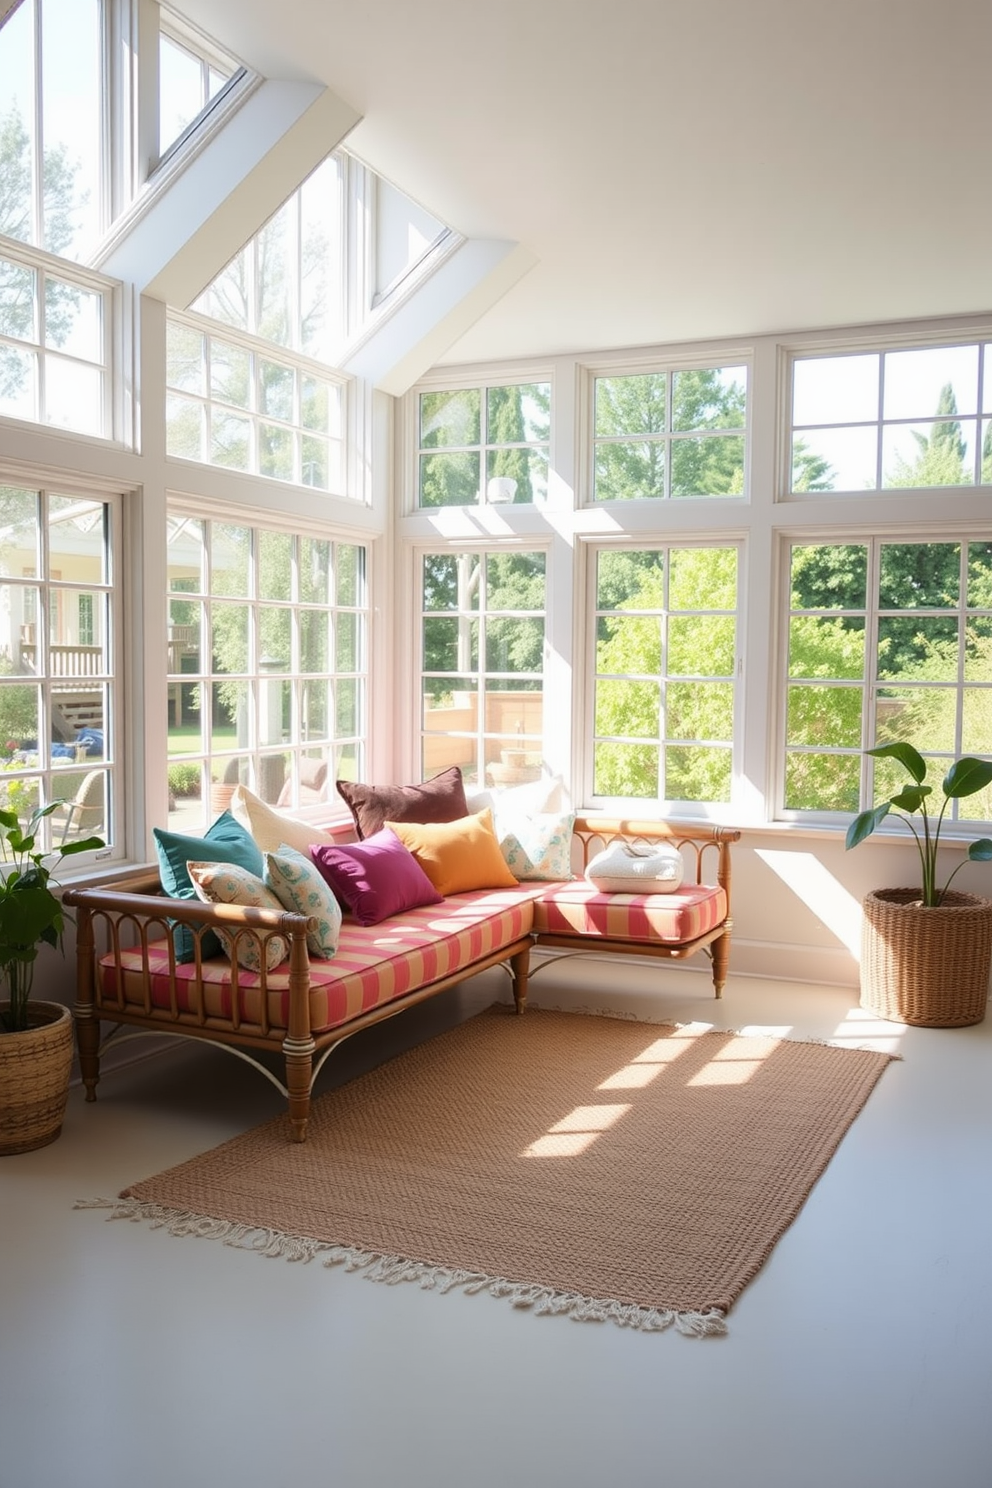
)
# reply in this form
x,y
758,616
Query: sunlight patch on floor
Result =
x,y
576,1131
866,1030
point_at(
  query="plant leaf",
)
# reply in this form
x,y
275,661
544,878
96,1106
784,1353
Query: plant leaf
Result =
x,y
911,797
863,825
907,756
981,851
82,844
966,776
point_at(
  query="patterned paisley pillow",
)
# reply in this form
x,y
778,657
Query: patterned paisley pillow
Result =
x,y
539,847
227,883
301,887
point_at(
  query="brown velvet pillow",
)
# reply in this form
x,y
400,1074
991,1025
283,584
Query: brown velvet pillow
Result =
x,y
441,799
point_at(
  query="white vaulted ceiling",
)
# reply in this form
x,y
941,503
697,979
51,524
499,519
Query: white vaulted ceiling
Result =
x,y
676,170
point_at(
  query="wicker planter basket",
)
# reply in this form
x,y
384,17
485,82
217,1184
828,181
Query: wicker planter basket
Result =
x,y
34,1079
927,967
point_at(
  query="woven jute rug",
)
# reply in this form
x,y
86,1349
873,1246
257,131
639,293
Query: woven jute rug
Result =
x,y
595,1166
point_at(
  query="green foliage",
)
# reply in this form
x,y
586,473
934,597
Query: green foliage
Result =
x,y
940,458
631,412
664,674
965,777
31,915
184,779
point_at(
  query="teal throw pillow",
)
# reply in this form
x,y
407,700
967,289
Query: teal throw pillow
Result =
x,y
225,841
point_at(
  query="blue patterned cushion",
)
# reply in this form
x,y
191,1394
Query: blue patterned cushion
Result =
x,y
300,887
538,848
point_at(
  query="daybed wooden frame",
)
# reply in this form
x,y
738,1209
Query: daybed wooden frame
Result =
x,y
134,913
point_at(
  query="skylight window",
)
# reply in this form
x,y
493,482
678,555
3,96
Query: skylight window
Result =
x,y
193,73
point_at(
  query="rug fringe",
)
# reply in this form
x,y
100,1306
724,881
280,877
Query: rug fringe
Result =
x,y
391,1269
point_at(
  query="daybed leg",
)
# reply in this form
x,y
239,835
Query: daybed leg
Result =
x,y
520,964
299,1074
721,962
85,1019
88,1046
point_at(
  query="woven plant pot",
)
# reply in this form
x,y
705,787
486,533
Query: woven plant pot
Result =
x,y
34,1078
927,967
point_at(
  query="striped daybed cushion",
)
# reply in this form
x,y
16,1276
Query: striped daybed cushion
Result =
x,y
373,965
579,908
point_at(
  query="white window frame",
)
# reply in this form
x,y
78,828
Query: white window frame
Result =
x,y
117,833
668,366
628,805
211,56
950,533
896,340
301,367
111,359
478,734
254,750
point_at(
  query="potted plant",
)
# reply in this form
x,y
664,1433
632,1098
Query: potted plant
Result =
x,y
926,952
35,1037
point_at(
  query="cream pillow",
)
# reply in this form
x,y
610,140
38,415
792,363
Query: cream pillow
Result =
x,y
227,883
270,829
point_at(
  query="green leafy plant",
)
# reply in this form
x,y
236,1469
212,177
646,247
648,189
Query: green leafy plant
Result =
x,y
964,778
31,915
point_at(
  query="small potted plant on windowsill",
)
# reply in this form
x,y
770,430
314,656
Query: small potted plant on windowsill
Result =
x,y
35,1037
926,952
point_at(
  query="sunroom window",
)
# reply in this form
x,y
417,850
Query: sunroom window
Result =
x,y
58,687
883,420
192,72
677,433
268,664
482,661
55,344
232,401
483,445
287,284
52,191
664,687
888,640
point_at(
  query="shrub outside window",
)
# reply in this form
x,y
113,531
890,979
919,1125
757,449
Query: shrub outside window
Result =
x,y
482,445
665,673
268,665
884,420
670,434
888,640
482,665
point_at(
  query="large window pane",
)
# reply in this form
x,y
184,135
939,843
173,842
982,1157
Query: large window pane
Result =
x,y
272,686
484,445
889,420
924,606
663,434
482,664
665,658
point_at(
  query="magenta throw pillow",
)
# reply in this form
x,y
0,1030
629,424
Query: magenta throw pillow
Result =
x,y
375,878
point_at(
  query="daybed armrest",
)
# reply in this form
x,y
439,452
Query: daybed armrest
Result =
x,y
131,916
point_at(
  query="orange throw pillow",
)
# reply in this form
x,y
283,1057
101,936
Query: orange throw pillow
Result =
x,y
457,856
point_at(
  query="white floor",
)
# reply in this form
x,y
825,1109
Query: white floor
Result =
x,y
860,1357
